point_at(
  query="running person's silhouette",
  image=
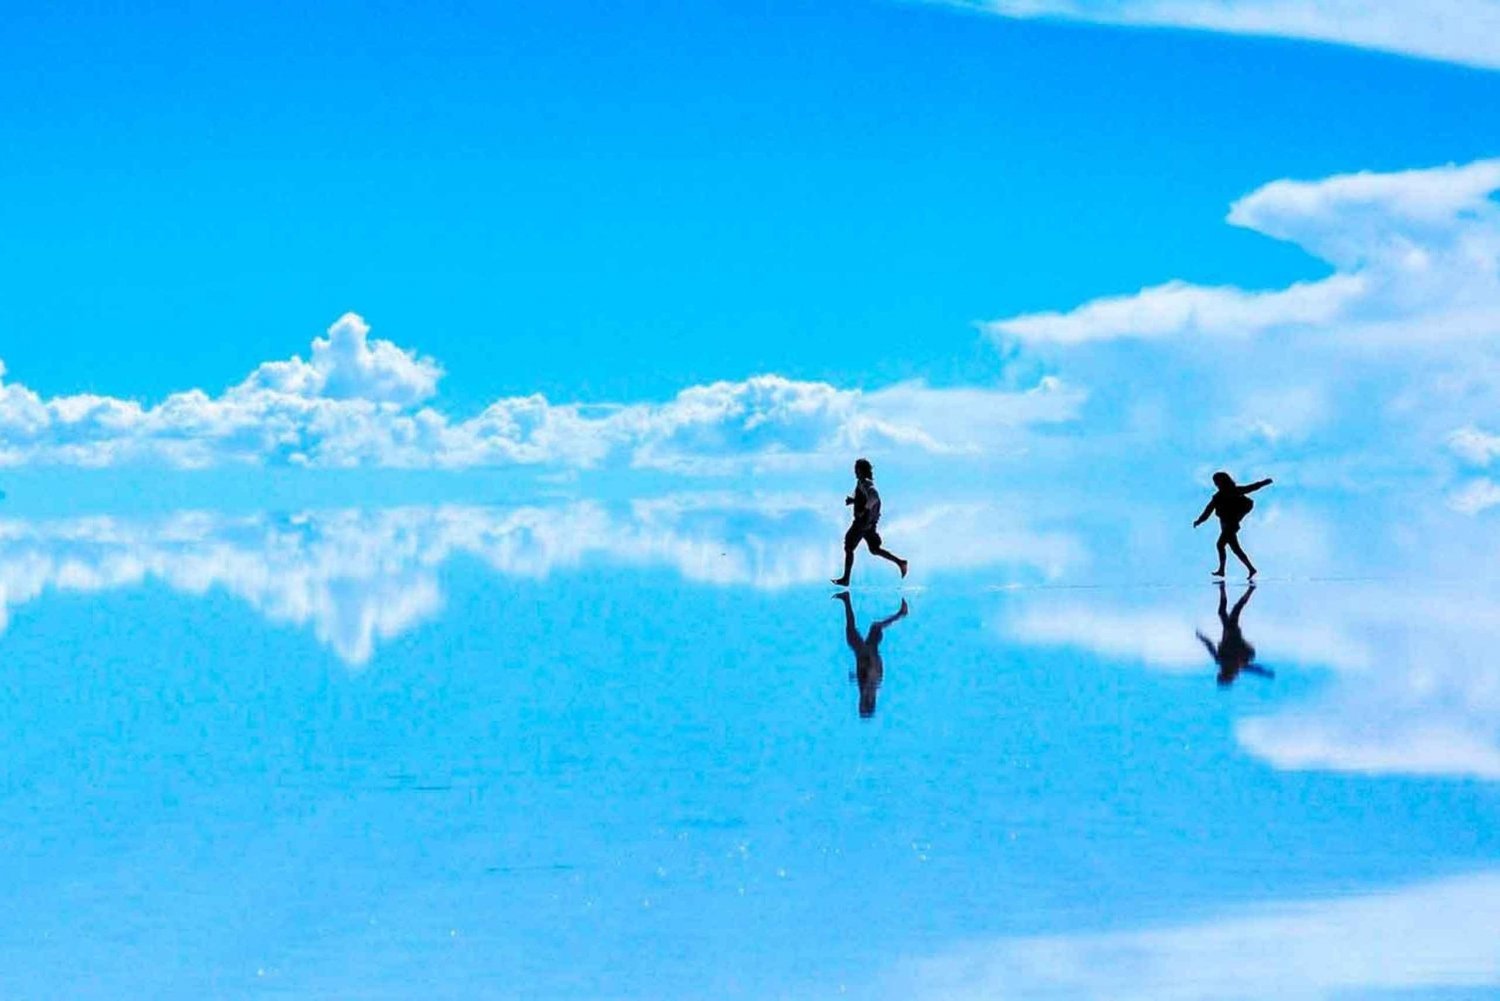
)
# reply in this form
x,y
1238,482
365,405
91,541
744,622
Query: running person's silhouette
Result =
x,y
869,668
1233,654
1231,504
866,501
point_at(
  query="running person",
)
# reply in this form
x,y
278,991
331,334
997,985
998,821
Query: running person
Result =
x,y
866,502
1231,503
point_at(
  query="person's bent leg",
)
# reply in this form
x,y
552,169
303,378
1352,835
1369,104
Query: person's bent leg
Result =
x,y
1220,546
877,548
1234,544
893,558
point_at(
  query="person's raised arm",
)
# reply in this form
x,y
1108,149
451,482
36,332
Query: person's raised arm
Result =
x,y
1256,486
1208,509
1213,651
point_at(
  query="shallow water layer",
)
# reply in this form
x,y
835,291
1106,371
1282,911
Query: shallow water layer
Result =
x,y
269,758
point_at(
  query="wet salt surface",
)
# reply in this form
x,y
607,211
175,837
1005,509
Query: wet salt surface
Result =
x,y
260,761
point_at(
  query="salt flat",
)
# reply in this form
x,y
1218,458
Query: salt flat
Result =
x,y
583,752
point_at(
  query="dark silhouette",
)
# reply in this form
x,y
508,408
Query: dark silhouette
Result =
x,y
869,669
1231,503
1233,654
866,501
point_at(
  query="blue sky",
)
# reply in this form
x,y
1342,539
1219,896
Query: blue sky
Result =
x,y
889,210
628,198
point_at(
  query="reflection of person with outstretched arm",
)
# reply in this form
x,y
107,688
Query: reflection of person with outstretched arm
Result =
x,y
1233,654
869,668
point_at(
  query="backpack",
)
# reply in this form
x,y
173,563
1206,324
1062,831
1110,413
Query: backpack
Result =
x,y
872,502
1236,506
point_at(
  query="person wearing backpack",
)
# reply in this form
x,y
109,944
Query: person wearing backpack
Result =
x,y
1231,503
866,503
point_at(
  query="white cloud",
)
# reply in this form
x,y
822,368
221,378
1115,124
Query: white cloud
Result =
x,y
1419,244
1460,31
356,403
1425,937
1179,308
1380,371
346,365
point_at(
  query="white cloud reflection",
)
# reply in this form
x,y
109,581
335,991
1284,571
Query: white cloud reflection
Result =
x,y
1414,687
1429,936
357,577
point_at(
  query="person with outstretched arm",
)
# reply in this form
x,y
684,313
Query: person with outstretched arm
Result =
x,y
866,503
1231,503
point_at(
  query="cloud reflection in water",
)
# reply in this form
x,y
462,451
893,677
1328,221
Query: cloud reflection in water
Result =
x,y
356,577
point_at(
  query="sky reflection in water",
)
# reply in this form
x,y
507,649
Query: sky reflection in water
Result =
x,y
601,751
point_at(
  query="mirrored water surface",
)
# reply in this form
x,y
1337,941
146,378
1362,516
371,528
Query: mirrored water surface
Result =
x,y
594,751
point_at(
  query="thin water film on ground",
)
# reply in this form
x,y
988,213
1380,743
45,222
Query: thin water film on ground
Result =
x,y
595,750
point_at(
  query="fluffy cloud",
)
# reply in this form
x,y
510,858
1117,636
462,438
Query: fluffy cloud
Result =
x,y
1418,245
357,403
1382,371
1460,31
346,365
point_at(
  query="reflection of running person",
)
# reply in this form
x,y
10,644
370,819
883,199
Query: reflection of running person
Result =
x,y
1231,504
869,669
866,501
1233,654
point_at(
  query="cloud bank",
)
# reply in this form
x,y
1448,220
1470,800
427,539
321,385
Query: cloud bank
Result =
x,y
362,402
1382,373
1386,370
1414,246
1458,31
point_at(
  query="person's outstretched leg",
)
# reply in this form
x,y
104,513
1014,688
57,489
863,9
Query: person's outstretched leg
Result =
x,y
886,554
1234,544
1239,606
1220,546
